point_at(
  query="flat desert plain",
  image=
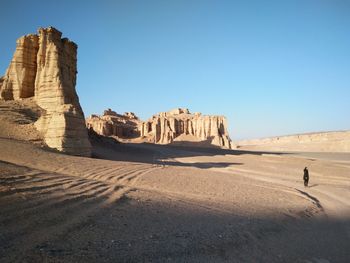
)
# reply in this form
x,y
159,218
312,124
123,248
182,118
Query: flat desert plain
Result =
x,y
154,203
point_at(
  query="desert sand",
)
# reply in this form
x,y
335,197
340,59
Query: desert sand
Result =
x,y
141,202
157,203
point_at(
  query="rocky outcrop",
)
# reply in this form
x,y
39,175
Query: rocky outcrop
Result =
x,y
113,124
1,82
166,127
338,141
44,66
175,126
19,78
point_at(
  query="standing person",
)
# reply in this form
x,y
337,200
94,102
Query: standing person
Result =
x,y
306,176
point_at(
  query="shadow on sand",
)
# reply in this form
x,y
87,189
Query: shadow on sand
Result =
x,y
107,148
144,230
42,222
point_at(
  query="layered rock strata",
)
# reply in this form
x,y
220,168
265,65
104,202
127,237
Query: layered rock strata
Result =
x,y
44,66
19,78
337,141
163,128
113,124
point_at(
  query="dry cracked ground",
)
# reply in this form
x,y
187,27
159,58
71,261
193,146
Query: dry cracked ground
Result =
x,y
152,203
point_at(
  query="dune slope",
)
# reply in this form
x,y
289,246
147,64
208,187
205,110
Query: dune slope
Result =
x,y
152,203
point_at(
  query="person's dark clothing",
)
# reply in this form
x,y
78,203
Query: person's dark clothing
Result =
x,y
306,177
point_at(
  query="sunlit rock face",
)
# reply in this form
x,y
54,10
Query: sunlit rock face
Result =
x,y
19,78
336,141
44,66
175,126
114,124
166,127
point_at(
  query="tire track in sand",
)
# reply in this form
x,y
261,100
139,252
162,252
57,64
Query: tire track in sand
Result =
x,y
49,205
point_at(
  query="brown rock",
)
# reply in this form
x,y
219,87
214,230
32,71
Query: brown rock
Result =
x,y
109,112
19,78
45,66
163,128
166,127
114,124
1,82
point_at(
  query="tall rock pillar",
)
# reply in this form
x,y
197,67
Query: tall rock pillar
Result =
x,y
44,66
19,78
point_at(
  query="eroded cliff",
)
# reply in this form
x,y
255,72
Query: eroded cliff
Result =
x,y
19,78
44,66
177,125
165,127
114,124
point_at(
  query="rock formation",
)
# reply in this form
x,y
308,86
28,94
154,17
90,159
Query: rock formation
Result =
x,y
19,78
164,128
338,141
44,66
113,124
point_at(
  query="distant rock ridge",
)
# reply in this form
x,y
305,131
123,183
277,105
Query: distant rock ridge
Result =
x,y
335,141
44,66
164,128
114,124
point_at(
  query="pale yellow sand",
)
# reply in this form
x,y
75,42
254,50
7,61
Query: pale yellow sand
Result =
x,y
150,203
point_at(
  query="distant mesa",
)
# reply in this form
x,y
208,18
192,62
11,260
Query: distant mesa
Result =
x,y
335,141
44,67
175,126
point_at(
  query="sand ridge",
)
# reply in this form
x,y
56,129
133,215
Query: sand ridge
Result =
x,y
167,203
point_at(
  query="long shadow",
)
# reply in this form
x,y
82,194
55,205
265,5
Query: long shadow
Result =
x,y
314,199
108,148
145,230
142,226
197,148
205,165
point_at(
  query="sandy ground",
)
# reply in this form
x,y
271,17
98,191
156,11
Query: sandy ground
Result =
x,y
17,120
152,203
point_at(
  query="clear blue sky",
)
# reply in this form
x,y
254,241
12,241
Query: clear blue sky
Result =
x,y
271,67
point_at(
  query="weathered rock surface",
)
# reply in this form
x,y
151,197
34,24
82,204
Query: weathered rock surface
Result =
x,y
113,124
338,141
19,78
44,66
164,128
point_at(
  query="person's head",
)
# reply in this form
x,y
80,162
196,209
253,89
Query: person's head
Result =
x,y
305,168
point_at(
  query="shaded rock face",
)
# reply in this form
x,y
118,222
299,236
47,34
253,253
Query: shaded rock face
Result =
x,y
44,66
114,124
165,127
